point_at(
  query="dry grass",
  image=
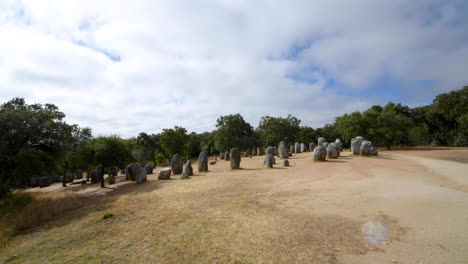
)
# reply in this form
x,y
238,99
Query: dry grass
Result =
x,y
21,211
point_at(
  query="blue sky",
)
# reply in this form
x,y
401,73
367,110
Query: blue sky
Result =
x,y
123,67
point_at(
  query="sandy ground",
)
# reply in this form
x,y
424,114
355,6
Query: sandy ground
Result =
x,y
400,207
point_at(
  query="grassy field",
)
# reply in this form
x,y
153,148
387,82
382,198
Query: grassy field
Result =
x,y
307,213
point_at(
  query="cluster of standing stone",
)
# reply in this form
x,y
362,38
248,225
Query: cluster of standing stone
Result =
x,y
360,146
138,173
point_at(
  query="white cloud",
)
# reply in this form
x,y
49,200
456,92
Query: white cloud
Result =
x,y
188,62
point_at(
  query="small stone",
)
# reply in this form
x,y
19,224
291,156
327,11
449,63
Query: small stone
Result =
x,y
286,163
164,174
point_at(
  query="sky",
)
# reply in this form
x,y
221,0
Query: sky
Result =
x,y
125,67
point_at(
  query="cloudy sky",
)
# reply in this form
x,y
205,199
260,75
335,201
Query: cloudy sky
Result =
x,y
123,67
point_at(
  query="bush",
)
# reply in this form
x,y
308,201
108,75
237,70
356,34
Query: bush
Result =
x,y
107,215
161,159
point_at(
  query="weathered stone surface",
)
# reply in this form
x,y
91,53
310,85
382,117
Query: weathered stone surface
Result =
x,y
188,168
254,152
130,172
339,144
177,164
78,174
269,160
222,155
94,176
366,147
356,145
246,154
320,153
332,151
140,176
320,141
270,150
203,162
312,146
164,174
292,149
325,144
286,163
275,151
235,158
303,147
111,179
34,181
283,150
69,177
184,175
44,182
226,156
149,168
297,147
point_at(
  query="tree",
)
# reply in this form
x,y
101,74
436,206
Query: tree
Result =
x,y
394,124
272,130
173,141
106,151
233,132
146,146
34,139
348,126
307,135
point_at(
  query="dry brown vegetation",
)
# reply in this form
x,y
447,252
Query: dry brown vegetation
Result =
x,y
308,213
21,211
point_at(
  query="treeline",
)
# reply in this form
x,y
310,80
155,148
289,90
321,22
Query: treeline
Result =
x,y
36,141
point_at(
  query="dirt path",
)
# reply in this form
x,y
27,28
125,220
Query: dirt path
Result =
x,y
396,208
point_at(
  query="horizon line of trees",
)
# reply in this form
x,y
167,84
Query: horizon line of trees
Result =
x,y
35,140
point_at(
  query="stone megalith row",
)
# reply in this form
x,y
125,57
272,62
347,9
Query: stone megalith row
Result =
x,y
297,147
235,158
269,160
226,156
283,150
203,162
356,145
177,164
332,151
367,149
303,147
320,141
320,153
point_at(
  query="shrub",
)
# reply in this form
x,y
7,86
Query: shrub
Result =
x,y
107,215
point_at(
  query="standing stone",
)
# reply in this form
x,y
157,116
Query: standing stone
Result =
x,y
291,149
226,156
140,175
78,174
149,168
164,174
235,158
297,147
303,147
270,150
320,153
188,170
254,152
339,144
246,154
130,172
366,148
312,146
325,144
222,155
44,182
275,151
286,163
356,145
111,179
176,164
283,150
332,151
94,176
269,160
203,162
320,141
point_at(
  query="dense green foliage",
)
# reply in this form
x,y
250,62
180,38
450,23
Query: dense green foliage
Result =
x,y
36,141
